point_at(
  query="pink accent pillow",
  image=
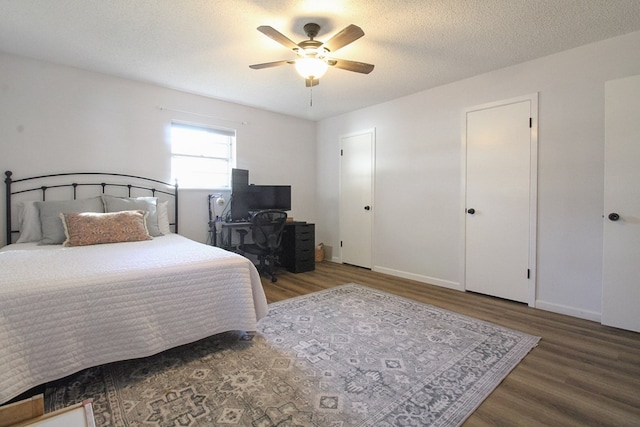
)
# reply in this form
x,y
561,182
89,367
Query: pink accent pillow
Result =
x,y
90,228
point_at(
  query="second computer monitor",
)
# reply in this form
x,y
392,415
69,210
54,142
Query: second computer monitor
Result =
x,y
260,197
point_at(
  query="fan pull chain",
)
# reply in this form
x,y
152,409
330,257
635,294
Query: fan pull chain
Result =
x,y
311,97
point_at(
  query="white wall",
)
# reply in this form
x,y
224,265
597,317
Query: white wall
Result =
x,y
60,119
418,177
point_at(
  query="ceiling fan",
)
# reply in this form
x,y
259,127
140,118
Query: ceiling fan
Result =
x,y
314,57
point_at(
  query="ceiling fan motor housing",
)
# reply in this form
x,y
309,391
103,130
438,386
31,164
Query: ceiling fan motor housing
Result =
x,y
311,29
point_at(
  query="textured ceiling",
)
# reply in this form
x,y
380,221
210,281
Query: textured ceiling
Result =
x,y
206,46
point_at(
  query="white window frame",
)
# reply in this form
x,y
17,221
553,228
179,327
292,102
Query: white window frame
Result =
x,y
185,179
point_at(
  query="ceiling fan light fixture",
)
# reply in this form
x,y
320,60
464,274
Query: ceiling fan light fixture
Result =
x,y
314,57
311,67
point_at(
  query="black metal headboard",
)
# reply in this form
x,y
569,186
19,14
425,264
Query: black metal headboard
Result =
x,y
137,182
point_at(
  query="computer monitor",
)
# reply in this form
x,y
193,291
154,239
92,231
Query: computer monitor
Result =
x,y
246,198
276,197
239,179
239,201
259,197
240,206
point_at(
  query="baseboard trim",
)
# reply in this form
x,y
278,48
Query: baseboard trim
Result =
x,y
420,278
542,305
569,311
417,277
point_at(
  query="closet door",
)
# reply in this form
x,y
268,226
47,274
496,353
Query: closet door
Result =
x,y
621,244
500,200
357,153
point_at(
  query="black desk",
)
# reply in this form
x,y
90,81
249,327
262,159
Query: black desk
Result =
x,y
298,243
229,227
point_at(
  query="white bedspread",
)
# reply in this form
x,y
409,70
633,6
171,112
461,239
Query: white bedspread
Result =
x,y
66,309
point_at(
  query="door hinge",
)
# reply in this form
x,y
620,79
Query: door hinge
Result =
x,y
528,273
340,243
530,122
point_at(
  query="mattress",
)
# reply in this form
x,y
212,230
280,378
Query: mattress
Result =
x,y
64,309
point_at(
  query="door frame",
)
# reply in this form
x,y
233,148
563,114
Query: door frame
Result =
x,y
533,190
372,133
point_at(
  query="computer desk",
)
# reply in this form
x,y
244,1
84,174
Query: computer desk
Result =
x,y
228,227
298,242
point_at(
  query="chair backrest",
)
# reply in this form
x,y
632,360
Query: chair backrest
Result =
x,y
267,227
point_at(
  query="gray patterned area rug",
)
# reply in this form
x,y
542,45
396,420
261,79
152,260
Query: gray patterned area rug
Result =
x,y
347,356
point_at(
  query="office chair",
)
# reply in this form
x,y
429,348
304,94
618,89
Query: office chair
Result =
x,y
266,232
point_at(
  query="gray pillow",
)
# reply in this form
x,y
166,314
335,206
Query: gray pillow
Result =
x,y
148,204
52,229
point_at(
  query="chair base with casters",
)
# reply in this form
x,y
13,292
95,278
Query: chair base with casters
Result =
x,y
266,232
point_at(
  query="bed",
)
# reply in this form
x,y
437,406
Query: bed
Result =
x,y
66,307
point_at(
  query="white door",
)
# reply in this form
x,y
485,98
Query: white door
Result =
x,y
621,261
500,204
356,198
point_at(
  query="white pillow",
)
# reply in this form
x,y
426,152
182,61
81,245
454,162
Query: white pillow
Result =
x,y
28,222
163,217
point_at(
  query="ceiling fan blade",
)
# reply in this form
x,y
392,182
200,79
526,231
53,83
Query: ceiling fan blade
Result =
x,y
277,36
347,35
270,64
311,82
358,67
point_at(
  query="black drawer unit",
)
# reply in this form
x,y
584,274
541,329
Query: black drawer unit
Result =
x,y
298,247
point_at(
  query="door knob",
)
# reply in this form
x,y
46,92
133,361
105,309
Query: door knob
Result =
x,y
471,211
367,208
614,216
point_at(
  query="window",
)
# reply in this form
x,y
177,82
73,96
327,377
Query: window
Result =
x,y
201,156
